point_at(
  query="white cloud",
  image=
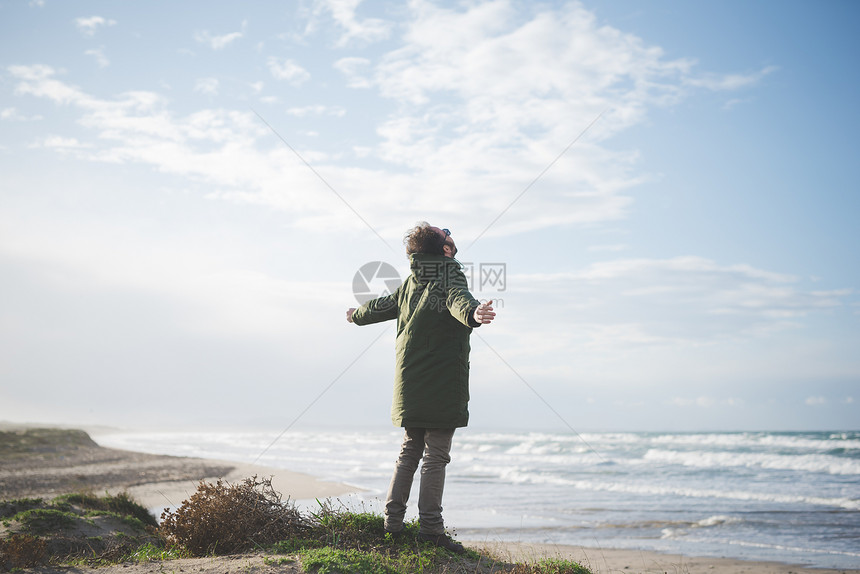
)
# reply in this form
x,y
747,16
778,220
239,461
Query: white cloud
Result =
x,y
13,115
612,247
99,55
848,400
39,81
208,86
660,267
815,401
37,3
729,82
492,102
217,147
353,28
89,26
676,302
288,70
317,110
219,42
354,69
60,144
497,90
10,114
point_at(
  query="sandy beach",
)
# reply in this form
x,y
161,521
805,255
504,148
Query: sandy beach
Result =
x,y
614,561
157,481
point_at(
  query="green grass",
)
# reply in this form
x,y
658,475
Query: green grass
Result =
x,y
9,508
331,540
382,555
555,566
335,539
150,552
131,521
121,504
45,520
61,531
328,559
280,561
345,541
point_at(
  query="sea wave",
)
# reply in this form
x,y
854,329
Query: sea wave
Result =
x,y
820,442
525,475
801,462
623,445
651,489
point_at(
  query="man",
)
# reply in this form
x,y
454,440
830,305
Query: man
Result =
x,y
435,315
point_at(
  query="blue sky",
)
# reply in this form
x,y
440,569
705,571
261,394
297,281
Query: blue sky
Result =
x,y
687,264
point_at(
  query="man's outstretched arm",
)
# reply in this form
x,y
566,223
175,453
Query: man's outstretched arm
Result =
x,y
374,311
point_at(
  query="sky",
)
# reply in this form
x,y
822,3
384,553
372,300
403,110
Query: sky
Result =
x,y
660,198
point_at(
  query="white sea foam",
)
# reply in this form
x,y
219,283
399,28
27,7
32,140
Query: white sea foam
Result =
x,y
802,462
717,520
668,491
524,475
711,521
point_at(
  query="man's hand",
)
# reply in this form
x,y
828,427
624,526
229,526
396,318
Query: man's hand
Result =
x,y
349,313
484,312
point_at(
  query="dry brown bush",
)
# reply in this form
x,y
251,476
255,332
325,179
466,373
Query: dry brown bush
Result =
x,y
224,518
21,551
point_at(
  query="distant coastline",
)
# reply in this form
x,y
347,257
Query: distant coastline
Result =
x,y
37,461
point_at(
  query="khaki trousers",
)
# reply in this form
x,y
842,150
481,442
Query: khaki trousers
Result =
x,y
435,446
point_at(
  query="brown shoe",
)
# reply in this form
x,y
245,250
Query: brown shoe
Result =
x,y
442,541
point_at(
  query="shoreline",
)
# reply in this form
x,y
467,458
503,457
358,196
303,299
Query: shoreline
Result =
x,y
293,485
160,481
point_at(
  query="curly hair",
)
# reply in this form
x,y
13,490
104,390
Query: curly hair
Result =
x,y
423,239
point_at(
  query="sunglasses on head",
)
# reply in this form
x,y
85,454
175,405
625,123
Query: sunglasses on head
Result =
x,y
447,232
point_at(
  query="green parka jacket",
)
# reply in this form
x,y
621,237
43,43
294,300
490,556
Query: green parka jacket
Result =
x,y
434,312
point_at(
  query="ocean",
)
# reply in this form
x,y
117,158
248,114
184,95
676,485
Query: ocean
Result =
x,y
783,496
